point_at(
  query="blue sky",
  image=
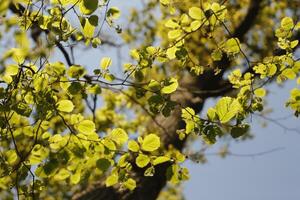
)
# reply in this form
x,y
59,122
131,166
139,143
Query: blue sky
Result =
x,y
273,176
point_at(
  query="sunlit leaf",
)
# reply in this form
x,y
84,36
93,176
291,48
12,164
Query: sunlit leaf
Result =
x,y
65,106
142,160
119,136
170,86
151,142
227,108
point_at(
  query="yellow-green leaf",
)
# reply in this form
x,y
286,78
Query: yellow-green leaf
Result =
x,y
87,7
130,184
170,86
196,13
164,2
113,13
151,142
260,92
287,23
289,73
109,144
75,178
90,26
195,25
38,154
211,114
142,160
65,106
12,157
227,108
161,159
62,175
112,180
12,70
105,63
174,34
119,136
232,46
133,146
171,24
86,127
171,52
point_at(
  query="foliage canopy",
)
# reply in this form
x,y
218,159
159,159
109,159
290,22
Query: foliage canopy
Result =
x,y
66,127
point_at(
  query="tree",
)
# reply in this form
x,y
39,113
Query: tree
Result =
x,y
71,131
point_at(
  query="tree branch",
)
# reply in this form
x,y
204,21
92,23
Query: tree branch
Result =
x,y
148,188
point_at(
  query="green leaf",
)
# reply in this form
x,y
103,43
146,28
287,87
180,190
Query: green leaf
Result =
x,y
133,146
154,85
62,175
89,26
217,55
232,46
22,109
75,88
239,131
57,67
119,136
139,75
65,106
75,178
86,127
38,154
170,86
113,13
12,157
109,144
103,164
76,71
87,7
142,160
161,159
51,167
151,143
227,108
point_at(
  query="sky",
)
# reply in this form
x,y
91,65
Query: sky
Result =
x,y
272,176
